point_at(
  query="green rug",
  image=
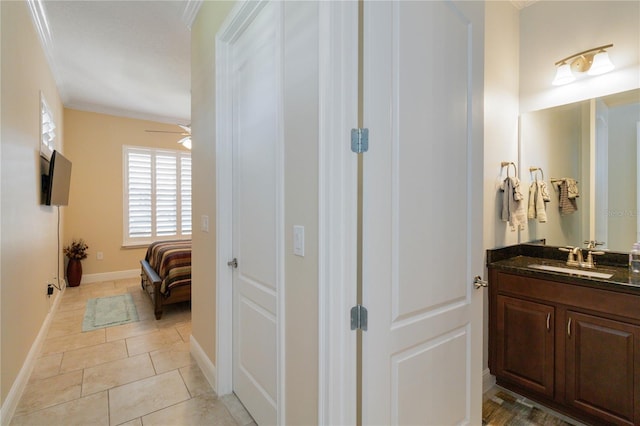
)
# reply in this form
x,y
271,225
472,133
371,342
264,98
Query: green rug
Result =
x,y
109,311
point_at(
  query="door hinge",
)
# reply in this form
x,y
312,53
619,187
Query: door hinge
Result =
x,y
359,140
359,318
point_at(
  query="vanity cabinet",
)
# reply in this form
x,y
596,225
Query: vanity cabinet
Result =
x,y
601,376
525,342
575,348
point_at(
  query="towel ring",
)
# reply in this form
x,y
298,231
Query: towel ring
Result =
x,y
510,163
536,169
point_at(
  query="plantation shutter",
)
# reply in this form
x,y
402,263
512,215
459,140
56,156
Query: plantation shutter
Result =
x,y
157,195
140,190
166,194
185,181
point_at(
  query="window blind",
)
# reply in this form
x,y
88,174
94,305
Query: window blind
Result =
x,y
157,194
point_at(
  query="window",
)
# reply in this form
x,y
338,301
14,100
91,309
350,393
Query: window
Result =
x,y
157,195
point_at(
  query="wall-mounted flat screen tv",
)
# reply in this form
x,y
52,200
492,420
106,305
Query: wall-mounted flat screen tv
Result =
x,y
55,185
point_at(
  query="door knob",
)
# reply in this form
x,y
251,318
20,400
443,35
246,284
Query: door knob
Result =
x,y
479,282
233,263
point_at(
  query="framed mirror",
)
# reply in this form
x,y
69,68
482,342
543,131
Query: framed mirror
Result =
x,y
596,143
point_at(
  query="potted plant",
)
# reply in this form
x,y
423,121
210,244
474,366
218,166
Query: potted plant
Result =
x,y
76,251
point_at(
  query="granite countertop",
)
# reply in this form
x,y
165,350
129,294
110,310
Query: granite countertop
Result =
x,y
519,258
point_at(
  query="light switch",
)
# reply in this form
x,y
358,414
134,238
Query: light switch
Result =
x,y
298,240
204,223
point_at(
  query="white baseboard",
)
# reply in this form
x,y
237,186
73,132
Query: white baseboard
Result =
x,y
205,364
108,276
488,381
17,389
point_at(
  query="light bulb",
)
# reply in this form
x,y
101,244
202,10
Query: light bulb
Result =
x,y
601,64
563,75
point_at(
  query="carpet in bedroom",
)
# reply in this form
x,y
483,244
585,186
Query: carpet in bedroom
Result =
x,y
109,311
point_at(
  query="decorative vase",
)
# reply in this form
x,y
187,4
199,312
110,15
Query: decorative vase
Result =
x,y
74,272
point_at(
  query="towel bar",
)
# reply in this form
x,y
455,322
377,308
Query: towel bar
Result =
x,y
510,163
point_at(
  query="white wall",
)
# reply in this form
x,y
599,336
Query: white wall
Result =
x,y
553,30
500,122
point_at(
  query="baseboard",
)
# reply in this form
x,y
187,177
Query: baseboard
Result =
x,y
108,276
488,381
203,361
17,389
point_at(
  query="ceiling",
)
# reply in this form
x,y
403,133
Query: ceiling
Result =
x,y
125,58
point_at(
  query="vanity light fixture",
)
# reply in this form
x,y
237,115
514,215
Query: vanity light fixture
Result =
x,y
593,61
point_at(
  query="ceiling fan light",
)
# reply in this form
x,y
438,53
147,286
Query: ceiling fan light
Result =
x,y
186,142
601,64
563,75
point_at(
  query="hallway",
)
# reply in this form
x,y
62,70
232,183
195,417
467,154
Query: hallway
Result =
x,y
141,373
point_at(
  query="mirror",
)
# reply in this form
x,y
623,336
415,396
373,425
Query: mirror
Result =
x,y
594,142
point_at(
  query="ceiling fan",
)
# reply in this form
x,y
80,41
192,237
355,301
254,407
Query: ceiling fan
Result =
x,y
186,133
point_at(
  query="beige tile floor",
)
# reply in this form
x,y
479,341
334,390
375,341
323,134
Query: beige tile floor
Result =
x,y
140,373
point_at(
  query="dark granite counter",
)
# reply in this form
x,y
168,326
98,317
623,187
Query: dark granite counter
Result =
x,y
519,258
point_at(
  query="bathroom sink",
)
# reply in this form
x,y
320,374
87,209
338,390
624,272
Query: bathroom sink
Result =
x,y
581,272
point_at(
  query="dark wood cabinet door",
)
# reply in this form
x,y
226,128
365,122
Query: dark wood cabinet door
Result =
x,y
525,344
602,364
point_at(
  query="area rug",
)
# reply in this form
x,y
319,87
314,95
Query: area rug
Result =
x,y
109,311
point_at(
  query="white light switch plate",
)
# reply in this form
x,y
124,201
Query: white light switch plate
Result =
x,y
204,223
298,240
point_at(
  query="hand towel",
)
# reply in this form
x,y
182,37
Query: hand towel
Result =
x,y
512,205
567,205
538,195
542,197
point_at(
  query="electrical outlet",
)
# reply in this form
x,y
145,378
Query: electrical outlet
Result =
x,y
49,289
99,255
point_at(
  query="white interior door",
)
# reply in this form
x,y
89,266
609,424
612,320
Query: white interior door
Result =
x,y
257,214
422,212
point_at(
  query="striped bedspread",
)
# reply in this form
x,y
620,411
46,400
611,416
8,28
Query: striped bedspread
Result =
x,y
172,261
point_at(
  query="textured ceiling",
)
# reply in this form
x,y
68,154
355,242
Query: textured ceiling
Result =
x,y
126,58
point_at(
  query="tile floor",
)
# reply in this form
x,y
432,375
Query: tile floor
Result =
x,y
139,373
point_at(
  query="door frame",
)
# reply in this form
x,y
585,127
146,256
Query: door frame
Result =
x,y
238,19
337,215
338,210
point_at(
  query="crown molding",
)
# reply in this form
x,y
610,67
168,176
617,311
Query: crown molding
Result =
x,y
191,9
41,25
521,4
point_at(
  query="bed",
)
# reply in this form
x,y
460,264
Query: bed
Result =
x,y
166,273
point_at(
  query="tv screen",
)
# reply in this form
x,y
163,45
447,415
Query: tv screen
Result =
x,y
57,183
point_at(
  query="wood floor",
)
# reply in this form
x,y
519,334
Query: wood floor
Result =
x,y
502,408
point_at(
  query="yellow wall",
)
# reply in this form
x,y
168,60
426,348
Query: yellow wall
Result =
x,y
301,197
28,230
93,144
203,272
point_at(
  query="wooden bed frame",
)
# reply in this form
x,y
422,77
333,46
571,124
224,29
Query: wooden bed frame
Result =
x,y
151,283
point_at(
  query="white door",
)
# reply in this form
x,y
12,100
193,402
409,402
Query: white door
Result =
x,y
257,214
422,212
